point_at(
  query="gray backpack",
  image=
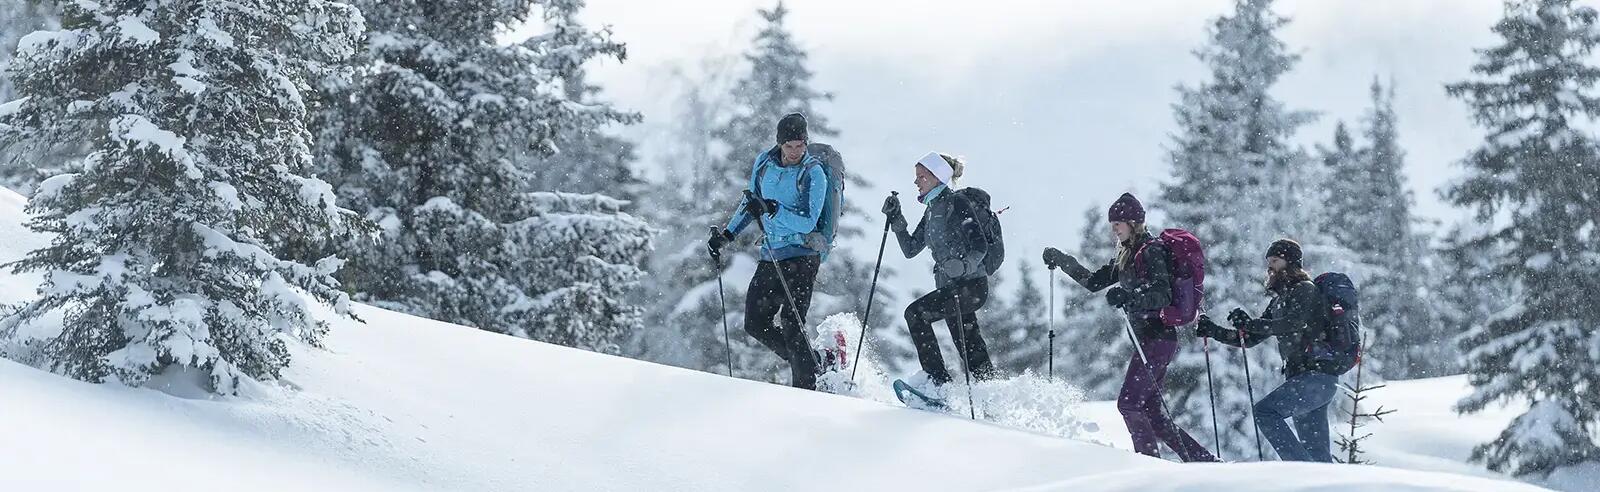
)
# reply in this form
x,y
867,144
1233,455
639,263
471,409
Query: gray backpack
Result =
x,y
977,202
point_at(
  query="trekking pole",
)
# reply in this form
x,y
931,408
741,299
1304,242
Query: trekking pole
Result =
x,y
1251,391
860,340
787,294
1052,326
961,338
1136,346
722,299
1210,383
1149,372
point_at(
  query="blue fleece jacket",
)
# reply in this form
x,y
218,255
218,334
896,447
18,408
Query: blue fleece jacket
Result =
x,y
798,208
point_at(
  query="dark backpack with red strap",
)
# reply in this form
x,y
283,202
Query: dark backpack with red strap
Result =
x,y
1188,275
1339,349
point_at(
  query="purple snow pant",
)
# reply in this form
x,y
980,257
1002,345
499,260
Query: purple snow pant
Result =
x,y
1140,404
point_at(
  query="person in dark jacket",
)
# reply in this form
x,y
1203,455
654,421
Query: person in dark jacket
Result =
x,y
1140,284
949,228
1295,317
783,281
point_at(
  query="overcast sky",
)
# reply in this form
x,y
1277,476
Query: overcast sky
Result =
x,y
1056,104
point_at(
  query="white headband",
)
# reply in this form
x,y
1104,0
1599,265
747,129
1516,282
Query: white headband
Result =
x,y
938,166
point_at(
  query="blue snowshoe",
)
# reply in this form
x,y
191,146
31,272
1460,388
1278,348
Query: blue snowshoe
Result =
x,y
914,398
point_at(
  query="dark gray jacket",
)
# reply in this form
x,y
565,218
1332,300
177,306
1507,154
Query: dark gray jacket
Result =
x,y
950,229
1151,291
1295,317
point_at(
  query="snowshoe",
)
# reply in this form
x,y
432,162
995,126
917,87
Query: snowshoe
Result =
x,y
834,354
918,399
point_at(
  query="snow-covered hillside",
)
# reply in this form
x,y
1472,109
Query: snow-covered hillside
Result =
x,y
1424,434
401,403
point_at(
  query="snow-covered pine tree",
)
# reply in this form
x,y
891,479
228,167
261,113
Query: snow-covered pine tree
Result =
x,y
429,141
1343,159
1352,181
1405,334
22,166
1237,183
684,327
1532,183
200,144
1014,325
1367,211
742,124
1092,347
20,18
589,159
1469,290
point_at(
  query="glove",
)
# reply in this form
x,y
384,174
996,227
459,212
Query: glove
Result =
x,y
891,209
719,238
756,207
952,268
1054,258
1238,317
1207,328
1256,327
1118,297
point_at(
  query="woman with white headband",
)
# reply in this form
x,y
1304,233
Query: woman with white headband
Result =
x,y
953,226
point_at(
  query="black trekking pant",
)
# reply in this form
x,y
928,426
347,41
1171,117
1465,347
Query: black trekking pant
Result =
x,y
941,305
766,299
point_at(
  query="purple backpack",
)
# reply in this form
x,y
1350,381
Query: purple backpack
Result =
x,y
1188,275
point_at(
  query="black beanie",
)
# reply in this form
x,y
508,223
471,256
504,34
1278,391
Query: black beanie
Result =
x,y
1286,249
792,127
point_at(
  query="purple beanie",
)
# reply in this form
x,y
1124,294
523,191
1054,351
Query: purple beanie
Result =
x,y
1126,209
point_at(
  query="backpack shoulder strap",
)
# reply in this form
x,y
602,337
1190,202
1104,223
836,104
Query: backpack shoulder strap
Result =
x,y
972,212
972,209
1138,256
763,161
804,183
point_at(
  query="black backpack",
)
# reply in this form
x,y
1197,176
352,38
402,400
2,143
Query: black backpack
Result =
x,y
1340,348
977,201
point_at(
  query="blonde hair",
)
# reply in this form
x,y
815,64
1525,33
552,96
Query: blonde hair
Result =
x,y
1125,250
957,165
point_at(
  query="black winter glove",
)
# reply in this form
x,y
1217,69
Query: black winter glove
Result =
x,y
719,238
1208,328
891,209
756,206
1054,258
1118,297
1238,317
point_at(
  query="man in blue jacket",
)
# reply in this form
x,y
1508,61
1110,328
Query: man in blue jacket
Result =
x,y
789,187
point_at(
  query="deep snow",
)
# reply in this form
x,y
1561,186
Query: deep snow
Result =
x,y
402,403
1425,433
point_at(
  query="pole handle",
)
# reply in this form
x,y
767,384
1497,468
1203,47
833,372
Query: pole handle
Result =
x,y
716,256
